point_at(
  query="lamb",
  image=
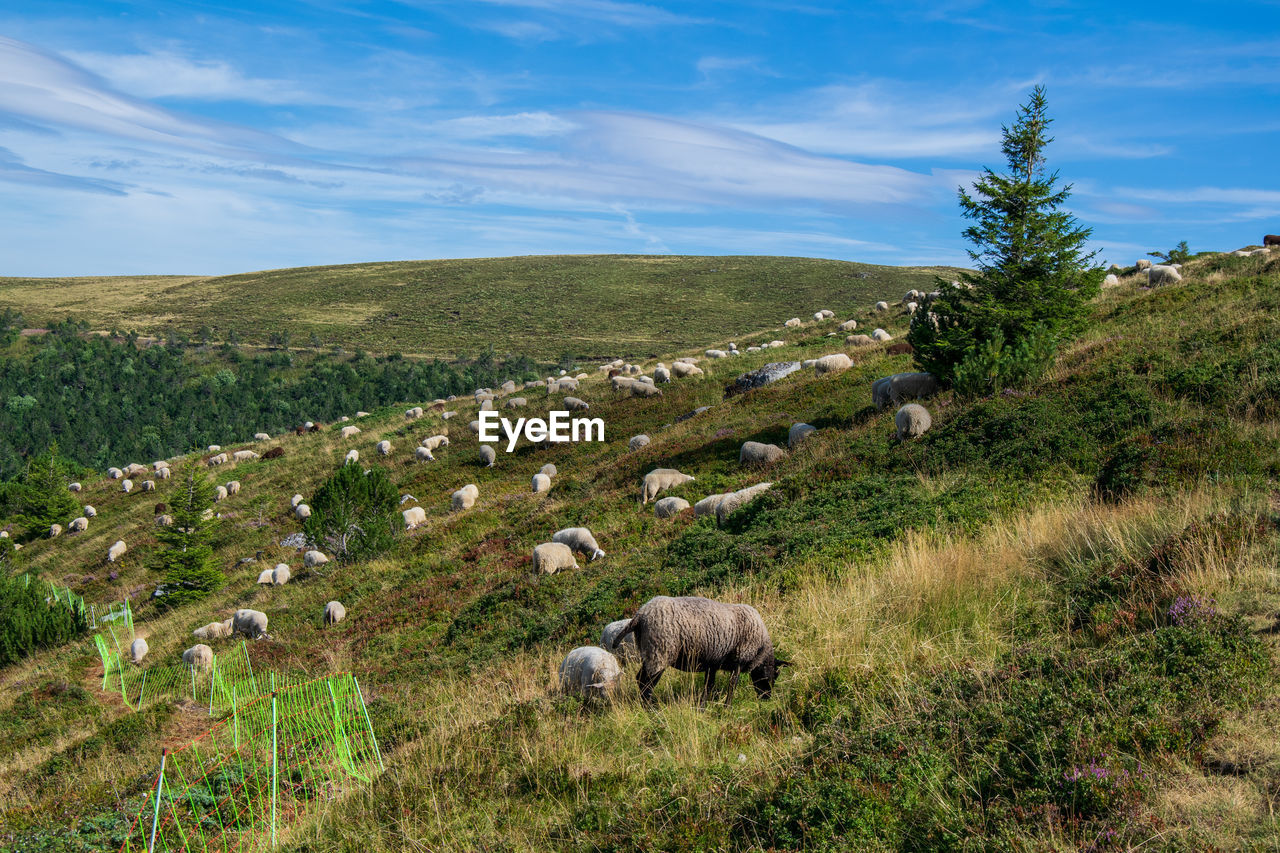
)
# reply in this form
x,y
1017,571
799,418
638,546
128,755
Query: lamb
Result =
x,y
707,506
541,483
465,498
670,507
89,511
126,486
681,369
295,500
549,469
78,525
1162,274
311,559
138,650
250,623
233,487
591,672
435,442
383,447
734,500
488,456
422,454
580,540
640,389
334,613
213,631
261,436
832,363
659,480
794,322
798,433
881,335
912,421
264,577
55,530
280,574
302,512
551,557
413,516
638,441
574,404
244,456
700,635
352,457
858,341
757,453
116,551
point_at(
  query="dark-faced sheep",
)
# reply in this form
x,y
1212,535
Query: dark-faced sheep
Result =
x,y
700,635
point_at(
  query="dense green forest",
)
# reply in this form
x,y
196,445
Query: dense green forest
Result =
x,y
106,401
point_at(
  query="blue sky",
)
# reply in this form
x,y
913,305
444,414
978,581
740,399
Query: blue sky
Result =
x,y
214,137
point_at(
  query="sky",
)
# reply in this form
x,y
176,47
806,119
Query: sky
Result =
x,y
155,136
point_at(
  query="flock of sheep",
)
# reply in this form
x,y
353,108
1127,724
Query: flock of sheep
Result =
x,y
693,634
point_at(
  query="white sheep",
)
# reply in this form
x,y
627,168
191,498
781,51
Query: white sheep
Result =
x,y
422,454
642,389
541,483
219,493
1111,280
164,520
912,420
707,506
574,404
217,459
126,486
213,448
250,623
116,551
74,487
881,335
138,650
148,485
465,498
264,577
881,307
793,323
78,525
591,672
681,369
488,456
213,631
638,441
261,436
313,558
516,402
662,374
435,442
55,530
716,353
280,574
758,453
244,456
741,497
89,511
848,326
580,540
233,487
295,500
858,341
551,557
1143,264
415,412
798,433
163,474
832,363
625,651
352,457
334,613
302,512
659,480
114,473
549,469
669,507
413,516
1162,274
474,426
383,447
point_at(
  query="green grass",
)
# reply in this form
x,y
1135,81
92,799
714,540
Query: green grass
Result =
x,y
974,616
591,306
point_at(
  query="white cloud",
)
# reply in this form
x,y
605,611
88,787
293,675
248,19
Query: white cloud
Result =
x,y
606,11
168,75
518,124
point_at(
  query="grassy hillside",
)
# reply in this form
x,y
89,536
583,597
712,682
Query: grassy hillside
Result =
x,y
1048,624
591,306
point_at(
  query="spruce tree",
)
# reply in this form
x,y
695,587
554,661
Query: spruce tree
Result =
x,y
45,498
1033,278
186,561
353,513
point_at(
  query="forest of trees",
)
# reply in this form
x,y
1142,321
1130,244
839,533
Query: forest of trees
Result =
x,y
105,401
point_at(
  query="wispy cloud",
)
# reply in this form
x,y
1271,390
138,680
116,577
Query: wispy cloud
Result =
x,y
170,75
14,171
606,11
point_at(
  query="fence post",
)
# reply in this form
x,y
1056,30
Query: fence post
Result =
x,y
369,723
275,768
155,818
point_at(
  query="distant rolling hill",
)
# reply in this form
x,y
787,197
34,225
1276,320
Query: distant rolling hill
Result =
x,y
540,306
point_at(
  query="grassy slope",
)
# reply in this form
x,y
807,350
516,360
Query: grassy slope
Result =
x,y
885,571
590,305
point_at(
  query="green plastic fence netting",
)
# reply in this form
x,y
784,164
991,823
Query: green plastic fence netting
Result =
x,y
239,785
